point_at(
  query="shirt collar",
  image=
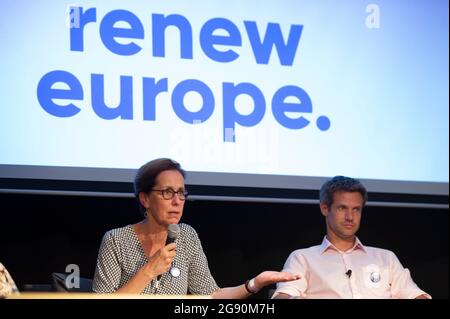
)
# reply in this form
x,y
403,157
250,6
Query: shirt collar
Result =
x,y
326,244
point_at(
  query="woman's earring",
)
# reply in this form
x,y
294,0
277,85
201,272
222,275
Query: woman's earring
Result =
x,y
146,213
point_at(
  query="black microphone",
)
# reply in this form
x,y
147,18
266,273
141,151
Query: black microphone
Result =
x,y
173,231
349,273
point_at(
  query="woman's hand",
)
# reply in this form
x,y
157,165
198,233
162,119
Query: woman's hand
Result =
x,y
271,277
161,261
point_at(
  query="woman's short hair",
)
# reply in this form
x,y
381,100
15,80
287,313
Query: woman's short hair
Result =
x,y
341,184
146,175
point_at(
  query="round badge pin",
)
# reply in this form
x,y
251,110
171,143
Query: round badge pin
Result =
x,y
375,277
174,271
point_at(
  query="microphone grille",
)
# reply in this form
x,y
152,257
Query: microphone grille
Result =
x,y
173,231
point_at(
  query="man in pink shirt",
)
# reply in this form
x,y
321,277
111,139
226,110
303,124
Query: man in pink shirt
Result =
x,y
341,267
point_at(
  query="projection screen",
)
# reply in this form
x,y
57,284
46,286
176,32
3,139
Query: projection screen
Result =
x,y
258,100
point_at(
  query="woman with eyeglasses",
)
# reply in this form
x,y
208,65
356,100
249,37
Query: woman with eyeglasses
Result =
x,y
136,259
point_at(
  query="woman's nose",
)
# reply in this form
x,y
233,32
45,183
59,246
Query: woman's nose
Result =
x,y
176,199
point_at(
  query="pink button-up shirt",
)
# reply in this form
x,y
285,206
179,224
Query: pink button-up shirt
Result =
x,y
360,272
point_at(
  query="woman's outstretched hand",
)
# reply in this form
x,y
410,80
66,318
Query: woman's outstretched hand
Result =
x,y
271,277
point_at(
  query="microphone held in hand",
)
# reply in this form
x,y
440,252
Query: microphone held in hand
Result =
x,y
173,231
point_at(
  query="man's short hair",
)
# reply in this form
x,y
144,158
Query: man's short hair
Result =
x,y
341,184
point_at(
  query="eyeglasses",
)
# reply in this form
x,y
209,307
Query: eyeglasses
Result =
x,y
169,193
